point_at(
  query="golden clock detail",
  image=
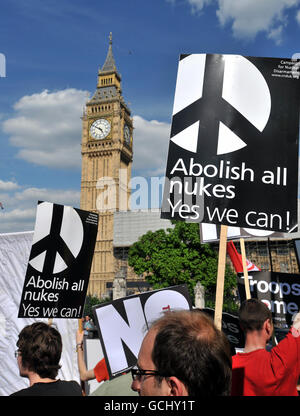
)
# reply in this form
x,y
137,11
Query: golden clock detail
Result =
x,y
100,128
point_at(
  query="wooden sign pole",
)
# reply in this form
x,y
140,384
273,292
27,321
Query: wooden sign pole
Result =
x,y
245,270
80,326
220,277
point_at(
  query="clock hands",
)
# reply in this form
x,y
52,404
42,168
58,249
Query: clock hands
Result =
x,y
103,127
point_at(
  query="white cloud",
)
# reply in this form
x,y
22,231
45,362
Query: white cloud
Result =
x,y
61,196
47,131
47,128
298,17
276,34
150,146
248,17
8,186
18,215
198,5
20,206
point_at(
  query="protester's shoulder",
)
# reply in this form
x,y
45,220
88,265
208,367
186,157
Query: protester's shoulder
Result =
x,y
59,388
34,390
249,357
23,392
70,387
234,358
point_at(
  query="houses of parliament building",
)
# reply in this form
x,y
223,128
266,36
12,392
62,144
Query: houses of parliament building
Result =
x,y
107,155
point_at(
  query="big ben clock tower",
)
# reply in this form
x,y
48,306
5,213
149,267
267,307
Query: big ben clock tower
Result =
x,y
106,165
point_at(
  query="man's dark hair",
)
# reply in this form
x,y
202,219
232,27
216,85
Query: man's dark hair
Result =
x,y
40,346
190,347
252,314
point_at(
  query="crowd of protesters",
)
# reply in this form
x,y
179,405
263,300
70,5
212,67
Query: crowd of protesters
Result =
x,y
182,354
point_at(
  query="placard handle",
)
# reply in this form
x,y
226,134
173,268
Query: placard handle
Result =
x,y
80,326
220,277
245,270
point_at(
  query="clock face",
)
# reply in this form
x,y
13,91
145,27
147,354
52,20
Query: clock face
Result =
x,y
100,128
127,134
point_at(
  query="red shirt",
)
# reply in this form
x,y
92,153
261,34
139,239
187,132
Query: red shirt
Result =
x,y
263,373
101,372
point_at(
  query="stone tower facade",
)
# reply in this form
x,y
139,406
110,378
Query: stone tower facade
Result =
x,y
106,165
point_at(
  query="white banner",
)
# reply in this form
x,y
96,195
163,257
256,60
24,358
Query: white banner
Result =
x,y
14,255
122,324
211,232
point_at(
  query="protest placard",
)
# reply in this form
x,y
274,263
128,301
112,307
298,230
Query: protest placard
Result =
x,y
210,233
59,264
279,291
233,152
296,244
231,328
123,323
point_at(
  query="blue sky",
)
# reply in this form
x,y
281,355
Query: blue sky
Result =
x,y
53,50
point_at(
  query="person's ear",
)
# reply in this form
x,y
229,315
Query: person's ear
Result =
x,y
177,388
268,327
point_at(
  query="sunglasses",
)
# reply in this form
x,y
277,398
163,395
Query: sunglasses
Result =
x,y
137,373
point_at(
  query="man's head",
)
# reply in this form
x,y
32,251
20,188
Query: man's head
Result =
x,y
254,315
40,347
189,355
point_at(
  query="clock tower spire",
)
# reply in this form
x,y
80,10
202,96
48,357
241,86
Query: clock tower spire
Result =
x,y
106,165
108,74
109,64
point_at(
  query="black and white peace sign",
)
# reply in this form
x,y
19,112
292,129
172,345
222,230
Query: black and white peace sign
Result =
x,y
58,237
220,102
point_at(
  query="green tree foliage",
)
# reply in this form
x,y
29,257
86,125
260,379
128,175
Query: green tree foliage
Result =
x,y
91,301
176,256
